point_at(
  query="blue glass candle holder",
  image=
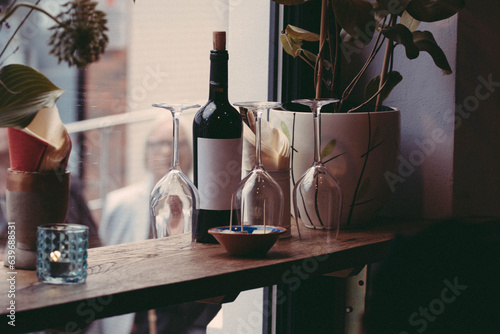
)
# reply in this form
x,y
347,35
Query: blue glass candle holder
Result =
x,y
62,253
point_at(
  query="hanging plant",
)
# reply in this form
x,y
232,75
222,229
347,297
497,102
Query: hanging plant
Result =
x,y
79,38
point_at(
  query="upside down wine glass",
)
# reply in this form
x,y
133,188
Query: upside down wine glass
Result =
x,y
259,199
174,200
317,196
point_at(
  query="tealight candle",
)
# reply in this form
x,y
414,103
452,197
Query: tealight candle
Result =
x,y
58,267
62,253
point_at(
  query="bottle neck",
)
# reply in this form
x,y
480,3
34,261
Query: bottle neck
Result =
x,y
218,76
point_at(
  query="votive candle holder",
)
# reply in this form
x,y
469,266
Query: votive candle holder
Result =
x,y
62,253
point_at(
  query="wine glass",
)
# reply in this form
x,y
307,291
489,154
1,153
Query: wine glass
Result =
x,y
174,200
317,195
258,199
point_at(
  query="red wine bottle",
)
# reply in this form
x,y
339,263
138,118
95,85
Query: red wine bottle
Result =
x,y
217,147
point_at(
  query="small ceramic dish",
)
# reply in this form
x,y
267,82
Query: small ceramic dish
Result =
x,y
252,241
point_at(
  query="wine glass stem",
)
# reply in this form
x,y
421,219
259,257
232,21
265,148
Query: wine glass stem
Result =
x,y
317,134
175,146
258,121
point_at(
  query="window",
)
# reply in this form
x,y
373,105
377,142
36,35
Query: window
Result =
x,y
158,52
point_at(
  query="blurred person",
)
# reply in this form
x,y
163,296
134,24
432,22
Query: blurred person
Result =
x,y
126,215
79,212
126,218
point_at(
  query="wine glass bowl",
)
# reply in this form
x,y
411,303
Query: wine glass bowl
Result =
x,y
317,195
258,199
174,200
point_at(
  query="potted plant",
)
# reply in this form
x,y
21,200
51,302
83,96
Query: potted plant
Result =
x,y
37,181
360,138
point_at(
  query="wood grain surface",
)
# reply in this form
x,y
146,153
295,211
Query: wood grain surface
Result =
x,y
147,274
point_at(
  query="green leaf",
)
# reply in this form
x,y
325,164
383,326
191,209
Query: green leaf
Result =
x,y
402,35
363,189
328,149
356,18
24,91
290,45
434,10
393,78
284,128
409,21
301,34
290,2
311,56
292,38
424,40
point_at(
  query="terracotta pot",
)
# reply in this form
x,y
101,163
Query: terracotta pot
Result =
x,y
344,141
34,199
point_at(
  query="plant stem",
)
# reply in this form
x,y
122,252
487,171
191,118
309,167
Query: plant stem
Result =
x,y
306,60
33,7
348,90
335,60
387,58
369,100
322,37
15,32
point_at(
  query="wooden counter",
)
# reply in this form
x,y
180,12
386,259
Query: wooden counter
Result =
x,y
152,273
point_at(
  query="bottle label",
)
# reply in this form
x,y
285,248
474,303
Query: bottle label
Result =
x,y
219,171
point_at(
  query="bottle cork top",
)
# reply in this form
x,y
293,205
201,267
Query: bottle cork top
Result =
x,y
219,40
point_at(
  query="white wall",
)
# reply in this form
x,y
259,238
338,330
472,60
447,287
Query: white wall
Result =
x,y
249,50
426,99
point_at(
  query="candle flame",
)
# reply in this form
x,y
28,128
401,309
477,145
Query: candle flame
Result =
x,y
55,256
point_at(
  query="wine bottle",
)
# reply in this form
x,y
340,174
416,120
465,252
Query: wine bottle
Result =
x,y
217,147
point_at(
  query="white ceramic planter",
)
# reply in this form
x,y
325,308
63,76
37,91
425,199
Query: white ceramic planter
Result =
x,y
345,140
